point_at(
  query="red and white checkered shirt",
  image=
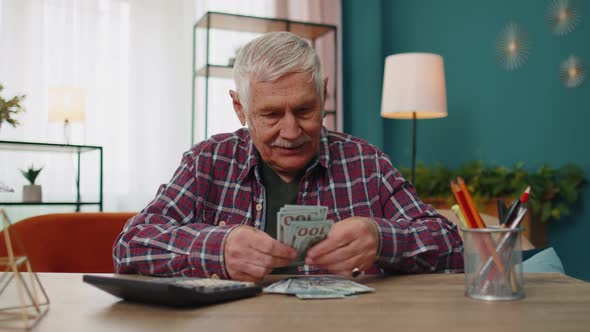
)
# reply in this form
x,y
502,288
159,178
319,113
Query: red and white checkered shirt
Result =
x,y
218,187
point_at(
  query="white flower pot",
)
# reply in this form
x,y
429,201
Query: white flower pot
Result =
x,y
32,194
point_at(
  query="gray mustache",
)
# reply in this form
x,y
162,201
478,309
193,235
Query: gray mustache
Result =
x,y
283,143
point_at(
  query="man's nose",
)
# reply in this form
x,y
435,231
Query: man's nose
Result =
x,y
290,128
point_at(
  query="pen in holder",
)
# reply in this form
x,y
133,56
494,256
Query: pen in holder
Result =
x,y
494,272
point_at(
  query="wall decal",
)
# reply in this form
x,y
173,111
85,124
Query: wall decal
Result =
x,y
563,16
572,72
513,47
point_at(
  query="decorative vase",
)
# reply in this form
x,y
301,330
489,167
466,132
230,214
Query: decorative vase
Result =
x,y
32,193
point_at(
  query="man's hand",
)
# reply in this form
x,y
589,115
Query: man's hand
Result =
x,y
351,243
251,254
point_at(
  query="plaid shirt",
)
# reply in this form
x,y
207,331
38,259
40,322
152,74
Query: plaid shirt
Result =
x,y
218,187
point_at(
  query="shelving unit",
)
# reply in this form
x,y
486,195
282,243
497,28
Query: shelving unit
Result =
x,y
78,150
205,67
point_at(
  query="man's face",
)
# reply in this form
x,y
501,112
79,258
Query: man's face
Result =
x,y
284,120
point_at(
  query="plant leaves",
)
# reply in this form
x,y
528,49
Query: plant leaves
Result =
x,y
553,191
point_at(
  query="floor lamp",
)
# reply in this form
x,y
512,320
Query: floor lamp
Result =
x,y
414,88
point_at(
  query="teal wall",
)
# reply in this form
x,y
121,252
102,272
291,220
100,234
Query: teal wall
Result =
x,y
496,116
362,69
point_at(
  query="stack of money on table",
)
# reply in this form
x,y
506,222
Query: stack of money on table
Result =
x,y
318,287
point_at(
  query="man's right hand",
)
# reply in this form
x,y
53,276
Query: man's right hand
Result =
x,y
251,254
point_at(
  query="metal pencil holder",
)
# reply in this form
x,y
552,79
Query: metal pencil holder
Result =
x,y
493,263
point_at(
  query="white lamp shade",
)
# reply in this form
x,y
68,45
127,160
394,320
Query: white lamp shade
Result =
x,y
66,103
414,82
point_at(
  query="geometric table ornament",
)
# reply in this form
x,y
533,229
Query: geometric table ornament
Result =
x,y
18,277
513,47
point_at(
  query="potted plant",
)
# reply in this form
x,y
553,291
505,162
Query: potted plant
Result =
x,y
32,193
553,191
9,108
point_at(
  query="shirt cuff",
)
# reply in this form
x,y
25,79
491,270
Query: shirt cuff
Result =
x,y
207,254
389,241
376,230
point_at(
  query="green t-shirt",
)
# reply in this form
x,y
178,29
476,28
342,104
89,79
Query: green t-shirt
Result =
x,y
278,193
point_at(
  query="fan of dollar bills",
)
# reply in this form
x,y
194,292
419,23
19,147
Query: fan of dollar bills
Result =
x,y
301,227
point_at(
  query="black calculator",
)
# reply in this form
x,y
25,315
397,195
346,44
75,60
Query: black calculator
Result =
x,y
177,292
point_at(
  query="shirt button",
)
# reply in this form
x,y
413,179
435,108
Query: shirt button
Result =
x,y
214,276
222,223
258,207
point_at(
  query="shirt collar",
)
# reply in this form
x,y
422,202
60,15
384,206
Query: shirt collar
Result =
x,y
253,156
324,155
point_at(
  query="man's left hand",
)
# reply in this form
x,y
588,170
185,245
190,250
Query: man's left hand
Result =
x,y
352,243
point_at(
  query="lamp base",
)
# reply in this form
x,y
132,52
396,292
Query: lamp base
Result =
x,y
67,131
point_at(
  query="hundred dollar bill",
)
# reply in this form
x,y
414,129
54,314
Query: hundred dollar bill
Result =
x,y
322,210
279,287
306,235
333,284
318,287
321,295
301,227
287,217
291,213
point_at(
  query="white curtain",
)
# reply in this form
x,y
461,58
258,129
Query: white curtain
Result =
x,y
67,43
133,59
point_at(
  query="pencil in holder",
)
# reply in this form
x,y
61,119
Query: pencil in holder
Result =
x,y
493,263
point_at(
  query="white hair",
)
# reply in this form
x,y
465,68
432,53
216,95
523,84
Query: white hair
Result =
x,y
272,55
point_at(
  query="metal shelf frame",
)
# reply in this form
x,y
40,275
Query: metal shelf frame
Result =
x,y
59,148
244,23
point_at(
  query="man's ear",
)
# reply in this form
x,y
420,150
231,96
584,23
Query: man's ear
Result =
x,y
238,108
325,90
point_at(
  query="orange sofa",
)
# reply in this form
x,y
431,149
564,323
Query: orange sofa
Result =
x,y
68,242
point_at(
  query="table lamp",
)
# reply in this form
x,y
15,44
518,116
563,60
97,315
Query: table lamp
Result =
x,y
414,88
66,105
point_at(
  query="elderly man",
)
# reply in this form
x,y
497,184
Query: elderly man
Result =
x,y
217,215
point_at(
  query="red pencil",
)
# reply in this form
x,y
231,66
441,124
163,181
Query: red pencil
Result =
x,y
515,206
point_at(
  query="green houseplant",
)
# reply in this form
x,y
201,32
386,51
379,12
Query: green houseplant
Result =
x,y
9,108
553,191
32,193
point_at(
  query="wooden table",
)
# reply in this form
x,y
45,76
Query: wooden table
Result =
x,y
434,302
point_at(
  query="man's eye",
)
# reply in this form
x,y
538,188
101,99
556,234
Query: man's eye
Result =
x,y
305,111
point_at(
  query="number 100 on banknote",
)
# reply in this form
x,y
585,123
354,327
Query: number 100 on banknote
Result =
x,y
302,226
